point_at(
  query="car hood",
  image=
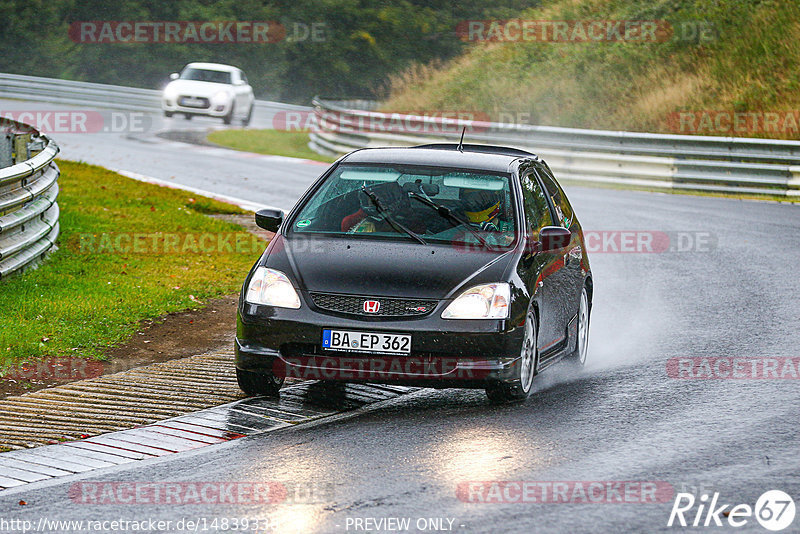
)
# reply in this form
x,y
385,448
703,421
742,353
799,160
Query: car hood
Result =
x,y
196,88
371,267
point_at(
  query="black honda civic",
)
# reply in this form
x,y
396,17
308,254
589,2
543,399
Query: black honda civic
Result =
x,y
439,265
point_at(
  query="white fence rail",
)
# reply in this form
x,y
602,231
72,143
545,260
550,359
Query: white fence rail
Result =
x,y
28,190
676,162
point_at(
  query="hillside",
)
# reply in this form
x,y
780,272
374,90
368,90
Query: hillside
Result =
x,y
731,66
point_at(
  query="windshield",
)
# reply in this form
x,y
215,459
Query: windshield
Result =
x,y
436,204
206,75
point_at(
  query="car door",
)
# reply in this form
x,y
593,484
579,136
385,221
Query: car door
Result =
x,y
566,280
538,267
243,92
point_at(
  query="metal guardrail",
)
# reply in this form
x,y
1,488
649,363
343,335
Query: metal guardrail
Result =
x,y
669,162
28,190
94,95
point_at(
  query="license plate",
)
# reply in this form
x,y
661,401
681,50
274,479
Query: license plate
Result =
x,y
192,102
346,340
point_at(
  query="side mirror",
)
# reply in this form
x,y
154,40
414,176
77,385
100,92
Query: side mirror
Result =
x,y
269,219
174,76
554,238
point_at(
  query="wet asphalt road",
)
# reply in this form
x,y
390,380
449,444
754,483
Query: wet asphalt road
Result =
x,y
622,419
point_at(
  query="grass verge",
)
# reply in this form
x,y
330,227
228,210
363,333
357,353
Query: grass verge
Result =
x,y
273,142
128,251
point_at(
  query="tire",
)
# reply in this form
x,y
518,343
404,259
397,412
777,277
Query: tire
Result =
x,y
168,114
529,359
227,119
187,116
578,356
246,120
255,384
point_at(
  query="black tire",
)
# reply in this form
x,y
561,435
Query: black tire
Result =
x,y
578,356
168,114
246,120
227,119
520,389
187,116
258,383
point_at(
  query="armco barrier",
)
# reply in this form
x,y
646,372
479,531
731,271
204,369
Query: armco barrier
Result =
x,y
94,95
28,191
659,161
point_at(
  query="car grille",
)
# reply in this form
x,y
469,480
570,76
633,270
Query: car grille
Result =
x,y
389,307
194,102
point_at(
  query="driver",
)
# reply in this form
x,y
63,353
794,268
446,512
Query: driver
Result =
x,y
483,209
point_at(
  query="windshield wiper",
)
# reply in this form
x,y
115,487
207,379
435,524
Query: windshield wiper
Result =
x,y
387,217
448,214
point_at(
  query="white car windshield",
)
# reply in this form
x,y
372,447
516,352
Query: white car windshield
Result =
x,y
206,75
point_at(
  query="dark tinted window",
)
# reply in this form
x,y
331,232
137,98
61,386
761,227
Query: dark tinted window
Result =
x,y
206,75
536,209
560,203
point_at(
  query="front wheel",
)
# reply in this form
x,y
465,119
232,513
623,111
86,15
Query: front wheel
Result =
x,y
518,391
168,114
258,383
227,119
246,120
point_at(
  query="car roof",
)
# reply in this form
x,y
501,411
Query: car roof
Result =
x,y
479,157
212,66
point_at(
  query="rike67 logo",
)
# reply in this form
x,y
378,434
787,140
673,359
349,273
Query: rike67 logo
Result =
x,y
774,510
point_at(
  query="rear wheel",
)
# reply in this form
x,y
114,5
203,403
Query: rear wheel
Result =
x,y
187,116
582,344
258,383
502,392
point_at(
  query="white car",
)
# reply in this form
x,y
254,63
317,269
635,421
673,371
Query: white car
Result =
x,y
209,89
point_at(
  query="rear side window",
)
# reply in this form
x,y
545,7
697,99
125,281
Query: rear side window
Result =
x,y
536,210
560,202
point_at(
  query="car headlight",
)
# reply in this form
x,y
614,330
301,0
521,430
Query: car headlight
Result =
x,y
221,97
272,288
487,301
170,93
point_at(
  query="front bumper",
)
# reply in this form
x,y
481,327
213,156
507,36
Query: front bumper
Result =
x,y
444,353
213,110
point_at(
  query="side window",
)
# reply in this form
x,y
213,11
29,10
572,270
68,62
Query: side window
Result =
x,y
536,210
560,203
243,77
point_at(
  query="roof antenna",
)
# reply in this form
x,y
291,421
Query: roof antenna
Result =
x,y
460,146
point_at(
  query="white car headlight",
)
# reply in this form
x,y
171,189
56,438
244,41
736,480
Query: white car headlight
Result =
x,y
170,92
272,288
487,301
221,97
